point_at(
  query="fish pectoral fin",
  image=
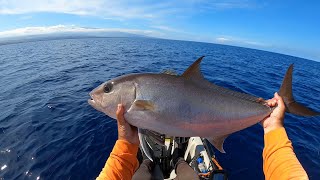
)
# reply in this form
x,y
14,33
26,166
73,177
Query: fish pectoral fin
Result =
x,y
142,105
144,145
217,142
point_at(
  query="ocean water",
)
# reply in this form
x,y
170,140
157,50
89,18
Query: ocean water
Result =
x,y
48,130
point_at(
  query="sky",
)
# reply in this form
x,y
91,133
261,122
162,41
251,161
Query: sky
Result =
x,y
288,27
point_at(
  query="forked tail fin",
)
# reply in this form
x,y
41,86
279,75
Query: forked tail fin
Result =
x,y
286,93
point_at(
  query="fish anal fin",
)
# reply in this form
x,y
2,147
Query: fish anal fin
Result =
x,y
142,105
193,72
286,93
218,141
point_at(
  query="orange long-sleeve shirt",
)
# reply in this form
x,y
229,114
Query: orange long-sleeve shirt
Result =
x,y
122,162
279,160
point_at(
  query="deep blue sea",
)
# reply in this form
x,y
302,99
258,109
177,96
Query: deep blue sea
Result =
x,y
49,131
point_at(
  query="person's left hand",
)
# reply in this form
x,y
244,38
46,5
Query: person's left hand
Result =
x,y
276,118
125,130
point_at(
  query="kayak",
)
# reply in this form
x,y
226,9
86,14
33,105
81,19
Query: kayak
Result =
x,y
198,153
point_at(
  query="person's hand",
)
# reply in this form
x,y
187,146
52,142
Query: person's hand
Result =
x,y
125,130
276,118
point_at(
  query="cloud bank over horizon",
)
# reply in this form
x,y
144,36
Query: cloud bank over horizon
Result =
x,y
46,30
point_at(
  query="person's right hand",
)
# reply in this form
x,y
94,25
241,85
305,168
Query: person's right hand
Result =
x,y
126,131
276,118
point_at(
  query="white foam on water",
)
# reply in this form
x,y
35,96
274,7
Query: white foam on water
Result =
x,y
3,167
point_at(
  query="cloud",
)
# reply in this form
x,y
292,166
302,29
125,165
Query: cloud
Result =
x,y
120,9
238,41
160,33
102,8
222,39
59,6
165,28
156,14
41,30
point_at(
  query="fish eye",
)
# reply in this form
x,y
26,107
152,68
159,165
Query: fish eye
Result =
x,y
107,87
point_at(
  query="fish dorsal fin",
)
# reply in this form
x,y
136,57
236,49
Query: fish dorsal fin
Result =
x,y
142,105
193,72
217,142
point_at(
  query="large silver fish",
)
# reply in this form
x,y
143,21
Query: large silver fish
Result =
x,y
187,105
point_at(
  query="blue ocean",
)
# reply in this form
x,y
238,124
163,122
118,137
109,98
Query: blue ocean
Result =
x,y
49,131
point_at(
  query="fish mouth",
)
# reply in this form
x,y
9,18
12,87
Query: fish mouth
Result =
x,y
95,102
91,101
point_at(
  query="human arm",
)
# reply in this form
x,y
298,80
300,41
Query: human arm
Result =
x,y
122,162
279,159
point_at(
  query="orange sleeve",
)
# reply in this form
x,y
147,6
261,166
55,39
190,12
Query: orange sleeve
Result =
x,y
279,160
122,162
